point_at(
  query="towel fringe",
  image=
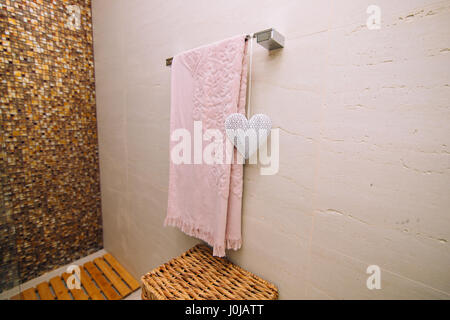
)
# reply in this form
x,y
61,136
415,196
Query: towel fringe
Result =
x,y
205,235
234,244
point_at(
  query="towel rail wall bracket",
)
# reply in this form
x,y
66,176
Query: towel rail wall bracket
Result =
x,y
269,39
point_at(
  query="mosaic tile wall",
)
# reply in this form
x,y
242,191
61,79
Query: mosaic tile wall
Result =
x,y
50,211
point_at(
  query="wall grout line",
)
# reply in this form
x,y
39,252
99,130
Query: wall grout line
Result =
x,y
318,146
384,269
356,23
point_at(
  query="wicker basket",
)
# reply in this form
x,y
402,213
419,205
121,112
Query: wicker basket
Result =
x,y
197,275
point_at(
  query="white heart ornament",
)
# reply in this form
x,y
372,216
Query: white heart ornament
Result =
x,y
256,130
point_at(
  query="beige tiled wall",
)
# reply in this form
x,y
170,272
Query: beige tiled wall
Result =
x,y
364,140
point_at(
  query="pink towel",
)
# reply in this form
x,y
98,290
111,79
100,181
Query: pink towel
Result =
x,y
205,200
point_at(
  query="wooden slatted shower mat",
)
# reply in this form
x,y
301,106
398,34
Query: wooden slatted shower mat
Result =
x,y
101,279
